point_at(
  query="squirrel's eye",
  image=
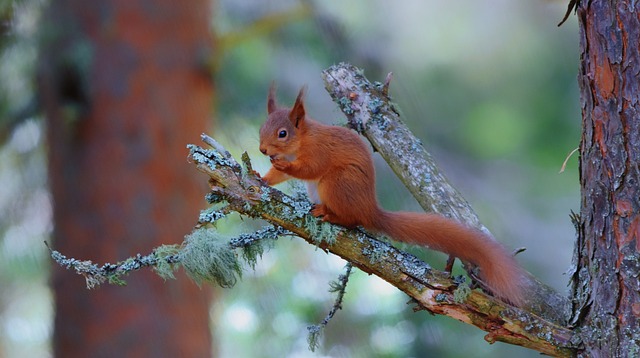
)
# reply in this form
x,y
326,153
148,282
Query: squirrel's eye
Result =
x,y
282,134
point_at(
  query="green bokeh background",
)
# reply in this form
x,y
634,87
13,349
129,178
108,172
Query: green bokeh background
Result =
x,y
489,87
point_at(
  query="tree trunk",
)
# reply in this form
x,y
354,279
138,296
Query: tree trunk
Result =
x,y
607,291
125,88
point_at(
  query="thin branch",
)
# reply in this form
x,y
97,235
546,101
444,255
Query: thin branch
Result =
x,y
387,82
340,287
573,5
268,233
564,164
164,259
96,275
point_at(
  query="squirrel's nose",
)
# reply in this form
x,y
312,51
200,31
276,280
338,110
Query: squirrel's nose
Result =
x,y
263,151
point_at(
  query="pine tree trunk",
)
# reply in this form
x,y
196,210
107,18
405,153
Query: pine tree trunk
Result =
x,y
125,88
607,290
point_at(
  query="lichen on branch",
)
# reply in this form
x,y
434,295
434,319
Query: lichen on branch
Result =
x,y
370,111
431,290
205,255
236,188
212,258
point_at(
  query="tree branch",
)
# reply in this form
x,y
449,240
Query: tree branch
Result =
x,y
369,111
340,287
236,188
432,290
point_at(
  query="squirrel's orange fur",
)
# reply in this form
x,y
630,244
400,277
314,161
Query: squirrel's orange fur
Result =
x,y
338,169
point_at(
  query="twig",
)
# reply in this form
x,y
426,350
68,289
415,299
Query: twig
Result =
x,y
573,4
164,259
96,275
267,233
564,164
340,287
387,82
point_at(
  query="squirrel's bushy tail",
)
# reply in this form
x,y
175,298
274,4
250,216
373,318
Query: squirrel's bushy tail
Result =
x,y
498,268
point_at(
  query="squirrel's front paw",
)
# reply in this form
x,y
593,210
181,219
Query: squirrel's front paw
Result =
x,y
280,163
319,210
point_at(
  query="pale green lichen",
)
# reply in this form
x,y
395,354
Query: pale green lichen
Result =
x,y
255,244
313,338
165,262
459,279
246,164
461,293
299,206
213,197
265,195
116,280
339,287
375,105
251,252
111,273
383,123
374,255
207,256
321,231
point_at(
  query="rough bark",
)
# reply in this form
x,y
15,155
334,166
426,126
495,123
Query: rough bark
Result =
x,y
124,89
606,286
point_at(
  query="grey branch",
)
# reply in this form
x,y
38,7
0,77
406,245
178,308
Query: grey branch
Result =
x,y
369,110
340,287
238,189
166,259
96,275
432,290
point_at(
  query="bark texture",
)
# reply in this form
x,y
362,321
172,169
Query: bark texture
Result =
x,y
606,286
124,87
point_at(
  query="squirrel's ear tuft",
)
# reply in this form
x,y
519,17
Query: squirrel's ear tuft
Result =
x,y
271,98
298,112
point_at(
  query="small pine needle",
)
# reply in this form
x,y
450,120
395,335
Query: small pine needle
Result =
x,y
564,164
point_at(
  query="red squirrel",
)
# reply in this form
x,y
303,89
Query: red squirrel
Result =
x,y
338,169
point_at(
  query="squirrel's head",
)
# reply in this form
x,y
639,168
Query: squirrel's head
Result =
x,y
280,134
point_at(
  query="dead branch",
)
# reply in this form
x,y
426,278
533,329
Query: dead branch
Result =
x,y
371,112
243,192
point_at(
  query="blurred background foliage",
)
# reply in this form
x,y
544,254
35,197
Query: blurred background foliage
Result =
x,y
488,86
